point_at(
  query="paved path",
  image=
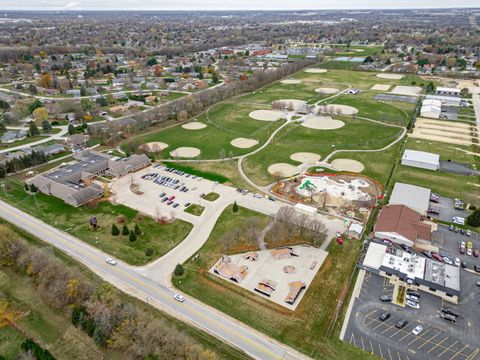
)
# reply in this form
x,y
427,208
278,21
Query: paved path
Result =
x,y
125,277
57,136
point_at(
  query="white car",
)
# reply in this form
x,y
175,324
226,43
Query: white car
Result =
x,y
179,297
412,298
469,252
417,330
258,196
457,262
110,261
447,260
458,220
412,304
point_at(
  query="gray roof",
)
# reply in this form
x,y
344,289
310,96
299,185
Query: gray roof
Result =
x,y
421,156
415,197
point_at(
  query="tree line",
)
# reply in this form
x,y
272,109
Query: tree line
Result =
x,y
23,162
98,310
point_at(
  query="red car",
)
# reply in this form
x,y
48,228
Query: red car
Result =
x,y
170,198
475,253
437,257
339,240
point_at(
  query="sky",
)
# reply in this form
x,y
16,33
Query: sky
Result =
x,y
226,4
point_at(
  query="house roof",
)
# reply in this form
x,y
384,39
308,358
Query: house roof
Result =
x,y
421,156
402,220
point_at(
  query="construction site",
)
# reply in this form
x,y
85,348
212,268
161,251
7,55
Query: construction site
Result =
x,y
280,275
343,194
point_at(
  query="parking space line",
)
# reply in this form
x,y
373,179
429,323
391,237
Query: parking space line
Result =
x,y
363,345
388,328
396,332
472,355
404,336
371,346
398,354
389,353
447,349
353,338
458,352
381,352
428,341
419,337
441,342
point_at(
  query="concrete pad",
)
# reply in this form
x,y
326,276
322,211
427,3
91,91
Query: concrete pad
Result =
x,y
407,90
316,71
243,143
305,157
347,165
185,152
283,169
322,123
390,76
194,125
380,87
266,115
326,90
291,81
267,267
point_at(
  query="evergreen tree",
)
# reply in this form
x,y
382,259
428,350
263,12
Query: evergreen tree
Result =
x,y
33,129
71,129
115,230
46,125
132,237
179,270
125,230
235,207
137,230
474,218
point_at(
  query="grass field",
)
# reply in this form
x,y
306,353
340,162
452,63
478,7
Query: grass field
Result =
x,y
195,209
160,238
458,153
305,329
357,50
27,140
211,196
53,330
356,134
194,171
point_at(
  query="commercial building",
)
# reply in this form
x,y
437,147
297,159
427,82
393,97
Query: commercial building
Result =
x,y
447,91
74,183
413,271
447,100
421,159
415,197
402,225
431,109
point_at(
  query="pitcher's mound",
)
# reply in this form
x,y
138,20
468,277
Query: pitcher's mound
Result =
x,y
323,123
347,165
326,90
243,143
266,115
185,152
283,170
153,146
306,157
194,125
343,109
291,81
316,71
390,76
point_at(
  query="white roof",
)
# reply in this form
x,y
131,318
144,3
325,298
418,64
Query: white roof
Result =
x,y
374,256
410,264
356,228
447,89
421,156
415,197
432,102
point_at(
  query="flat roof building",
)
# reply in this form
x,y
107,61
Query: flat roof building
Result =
x,y
415,197
413,271
421,159
447,91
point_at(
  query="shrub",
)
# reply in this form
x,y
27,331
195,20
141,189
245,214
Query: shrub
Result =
x,y
125,230
148,252
235,207
474,218
132,237
179,271
137,230
77,311
115,230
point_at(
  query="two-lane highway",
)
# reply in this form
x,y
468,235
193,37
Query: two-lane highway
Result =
x,y
123,276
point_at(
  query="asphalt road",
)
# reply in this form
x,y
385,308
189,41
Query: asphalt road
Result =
x,y
123,276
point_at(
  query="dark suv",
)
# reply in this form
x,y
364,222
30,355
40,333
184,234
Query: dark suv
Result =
x,y
384,316
401,324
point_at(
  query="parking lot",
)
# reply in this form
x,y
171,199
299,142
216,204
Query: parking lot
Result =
x,y
447,212
439,338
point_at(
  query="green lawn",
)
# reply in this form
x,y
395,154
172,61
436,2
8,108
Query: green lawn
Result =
x,y
195,209
458,153
305,329
194,171
27,140
211,196
160,238
356,134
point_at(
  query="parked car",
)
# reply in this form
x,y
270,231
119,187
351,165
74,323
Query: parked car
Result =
x,y
449,311
170,202
413,292
451,228
468,233
469,252
339,240
406,248
384,316
437,257
427,254
400,324
179,297
447,260
412,298
175,205
412,304
457,262
475,253
386,298
478,283
464,264
162,195
458,220
417,330
187,204
476,268
448,317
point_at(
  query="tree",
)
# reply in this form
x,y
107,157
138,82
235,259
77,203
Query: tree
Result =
x,y
132,237
34,105
71,129
215,79
235,207
179,270
72,288
125,230
46,126
40,114
33,188
137,230
152,61
33,129
474,218
45,81
115,230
